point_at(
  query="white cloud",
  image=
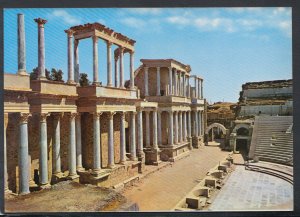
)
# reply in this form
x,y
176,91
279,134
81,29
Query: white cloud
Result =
x,y
133,22
218,23
143,11
178,20
66,17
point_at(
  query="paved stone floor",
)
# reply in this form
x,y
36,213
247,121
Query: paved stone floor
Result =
x,y
162,190
248,190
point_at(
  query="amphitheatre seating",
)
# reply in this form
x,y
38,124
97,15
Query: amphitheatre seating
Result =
x,y
273,139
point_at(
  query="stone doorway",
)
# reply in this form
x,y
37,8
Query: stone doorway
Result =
x,y
242,147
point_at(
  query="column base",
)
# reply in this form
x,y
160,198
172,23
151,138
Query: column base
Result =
x,y
123,162
42,78
96,172
24,193
133,158
71,82
109,85
72,177
32,184
22,72
7,191
80,169
111,166
45,186
97,83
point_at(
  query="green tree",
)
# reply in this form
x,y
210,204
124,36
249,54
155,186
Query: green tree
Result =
x,y
56,75
83,80
35,72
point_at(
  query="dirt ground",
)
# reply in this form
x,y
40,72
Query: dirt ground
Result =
x,y
67,197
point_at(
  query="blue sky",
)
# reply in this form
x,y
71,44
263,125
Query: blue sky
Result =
x,y
225,46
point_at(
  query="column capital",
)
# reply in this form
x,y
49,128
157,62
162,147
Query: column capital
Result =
x,y
69,32
147,112
146,68
96,115
40,21
158,68
131,52
72,115
43,117
109,43
121,49
24,118
139,109
111,114
134,112
95,38
123,114
170,112
76,42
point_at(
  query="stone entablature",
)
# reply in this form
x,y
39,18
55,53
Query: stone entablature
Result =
x,y
168,99
16,82
108,92
166,63
53,88
91,29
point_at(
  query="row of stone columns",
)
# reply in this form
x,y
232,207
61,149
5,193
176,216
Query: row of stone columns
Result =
x,y
198,83
182,126
180,80
197,123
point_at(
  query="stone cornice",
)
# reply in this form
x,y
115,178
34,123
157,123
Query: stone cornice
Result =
x,y
88,27
40,21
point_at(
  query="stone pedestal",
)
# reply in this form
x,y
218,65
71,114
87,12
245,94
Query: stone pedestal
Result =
x,y
189,139
152,156
195,142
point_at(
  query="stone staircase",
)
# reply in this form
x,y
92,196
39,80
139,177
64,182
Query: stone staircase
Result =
x,y
272,139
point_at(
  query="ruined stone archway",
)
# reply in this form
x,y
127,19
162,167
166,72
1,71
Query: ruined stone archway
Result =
x,y
220,126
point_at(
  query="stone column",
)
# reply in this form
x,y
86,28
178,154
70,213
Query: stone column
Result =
x,y
184,126
159,138
170,128
189,124
201,88
56,144
122,140
175,83
111,153
43,160
154,115
200,123
170,81
79,166
146,81
140,131
116,71
95,60
121,50
196,123
23,155
96,143
188,87
21,46
6,190
109,73
41,48
183,85
157,81
147,131
70,57
196,92
132,140
176,126
76,60
131,70
72,148
180,127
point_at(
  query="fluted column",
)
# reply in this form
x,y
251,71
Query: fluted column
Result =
x,y
56,144
159,138
21,46
132,140
170,128
41,47
188,87
195,84
131,70
96,143
157,81
199,117
6,190
79,166
122,140
116,72
121,49
111,155
201,89
180,127
43,161
109,73
189,124
70,57
170,81
184,126
183,85
175,83
154,115
72,148
76,60
95,60
147,114
199,95
140,131
23,155
176,126
146,81
196,123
